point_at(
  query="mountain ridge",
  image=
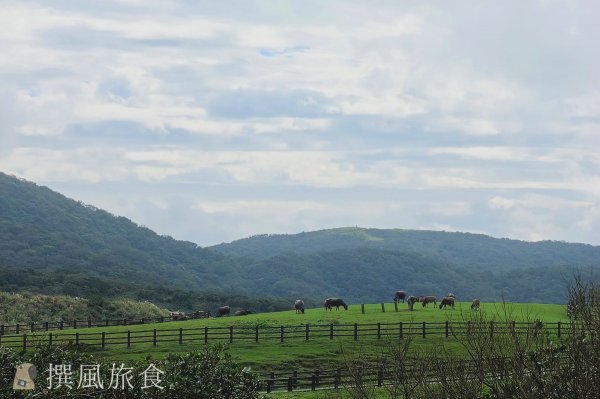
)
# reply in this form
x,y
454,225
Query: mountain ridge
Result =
x,y
67,247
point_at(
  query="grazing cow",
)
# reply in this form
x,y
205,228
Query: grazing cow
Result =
x,y
448,301
242,312
178,316
451,295
399,295
299,306
337,302
411,302
223,311
475,304
426,300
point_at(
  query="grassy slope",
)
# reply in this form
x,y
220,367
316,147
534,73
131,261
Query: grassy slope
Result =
x,y
297,353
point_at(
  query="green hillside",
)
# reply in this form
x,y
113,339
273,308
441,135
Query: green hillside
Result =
x,y
55,245
465,249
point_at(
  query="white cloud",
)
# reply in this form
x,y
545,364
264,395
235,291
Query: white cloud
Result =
x,y
436,98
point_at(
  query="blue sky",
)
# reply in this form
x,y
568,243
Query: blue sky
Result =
x,y
212,121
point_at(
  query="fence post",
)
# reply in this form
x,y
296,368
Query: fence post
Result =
x,y
47,326
396,306
424,330
380,377
491,328
290,386
106,322
124,322
89,323
143,320
362,308
336,380
256,337
129,338
230,334
447,329
307,331
24,342
558,329
313,382
355,331
514,329
50,339
154,340
17,328
269,382
331,331
400,332
382,307
103,340
295,378
469,327
76,339
281,334
378,330
317,377
180,336
32,327
62,325
74,323
206,335
2,329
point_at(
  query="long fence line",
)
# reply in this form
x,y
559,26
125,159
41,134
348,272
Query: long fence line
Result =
x,y
311,380
31,327
373,375
21,328
307,332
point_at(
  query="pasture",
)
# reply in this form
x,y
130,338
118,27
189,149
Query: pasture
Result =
x,y
319,351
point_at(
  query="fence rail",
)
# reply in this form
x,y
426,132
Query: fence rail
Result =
x,y
374,375
306,332
21,328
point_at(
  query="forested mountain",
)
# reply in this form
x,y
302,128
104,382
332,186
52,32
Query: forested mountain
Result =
x,y
54,245
464,249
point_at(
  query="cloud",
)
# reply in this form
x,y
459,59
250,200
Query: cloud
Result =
x,y
482,118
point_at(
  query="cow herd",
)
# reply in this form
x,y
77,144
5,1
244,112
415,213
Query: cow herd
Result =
x,y
425,300
330,303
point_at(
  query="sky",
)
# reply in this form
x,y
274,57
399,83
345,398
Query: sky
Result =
x,y
213,121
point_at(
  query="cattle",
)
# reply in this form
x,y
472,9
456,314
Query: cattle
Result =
x,y
337,302
223,311
475,304
447,301
411,302
399,296
426,300
178,316
299,306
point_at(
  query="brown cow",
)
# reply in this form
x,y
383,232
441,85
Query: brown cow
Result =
x,y
448,301
337,302
429,299
399,295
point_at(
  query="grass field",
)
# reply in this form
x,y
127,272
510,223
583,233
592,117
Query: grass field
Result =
x,y
270,354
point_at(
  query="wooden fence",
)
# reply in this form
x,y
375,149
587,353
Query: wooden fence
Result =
x,y
377,375
307,332
75,324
